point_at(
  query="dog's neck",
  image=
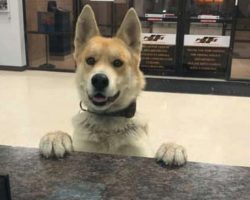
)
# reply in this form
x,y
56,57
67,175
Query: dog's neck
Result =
x,y
127,112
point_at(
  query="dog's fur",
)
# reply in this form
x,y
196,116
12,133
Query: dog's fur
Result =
x,y
109,134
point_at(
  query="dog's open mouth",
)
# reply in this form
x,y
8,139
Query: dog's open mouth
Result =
x,y
100,100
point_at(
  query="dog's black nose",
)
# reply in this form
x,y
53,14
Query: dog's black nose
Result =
x,y
100,81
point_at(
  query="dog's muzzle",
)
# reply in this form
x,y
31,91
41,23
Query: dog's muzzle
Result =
x,y
100,83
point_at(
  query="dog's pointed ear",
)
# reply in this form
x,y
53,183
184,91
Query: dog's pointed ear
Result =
x,y
86,28
130,30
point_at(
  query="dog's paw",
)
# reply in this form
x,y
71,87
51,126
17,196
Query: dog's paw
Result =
x,y
171,154
55,144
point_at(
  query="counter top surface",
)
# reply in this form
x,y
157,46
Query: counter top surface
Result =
x,y
97,176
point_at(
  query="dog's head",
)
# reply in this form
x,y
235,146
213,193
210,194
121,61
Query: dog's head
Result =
x,y
108,74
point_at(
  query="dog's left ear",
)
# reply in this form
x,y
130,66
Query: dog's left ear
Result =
x,y
130,30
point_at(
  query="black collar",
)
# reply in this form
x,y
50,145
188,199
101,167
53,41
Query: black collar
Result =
x,y
127,112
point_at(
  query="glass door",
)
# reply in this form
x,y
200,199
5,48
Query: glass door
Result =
x,y
241,54
207,39
50,34
159,26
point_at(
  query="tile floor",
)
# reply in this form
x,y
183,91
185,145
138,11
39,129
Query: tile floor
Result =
x,y
214,129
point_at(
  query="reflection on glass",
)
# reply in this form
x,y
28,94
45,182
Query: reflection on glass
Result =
x,y
156,7
241,55
50,34
222,8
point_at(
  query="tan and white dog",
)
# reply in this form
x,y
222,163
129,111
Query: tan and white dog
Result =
x,y
109,81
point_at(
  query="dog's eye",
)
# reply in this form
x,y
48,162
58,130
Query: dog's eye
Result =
x,y
90,61
117,63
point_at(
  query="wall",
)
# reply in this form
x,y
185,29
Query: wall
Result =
x,y
12,42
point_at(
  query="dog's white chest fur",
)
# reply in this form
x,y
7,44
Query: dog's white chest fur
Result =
x,y
105,134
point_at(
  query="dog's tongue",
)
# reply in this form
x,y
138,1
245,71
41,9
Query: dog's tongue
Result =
x,y
99,98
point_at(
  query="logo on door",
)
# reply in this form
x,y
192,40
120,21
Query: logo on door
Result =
x,y
154,38
207,40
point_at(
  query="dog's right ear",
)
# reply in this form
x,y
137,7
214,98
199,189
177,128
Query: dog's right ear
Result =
x,y
86,28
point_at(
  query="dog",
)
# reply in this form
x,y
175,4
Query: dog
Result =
x,y
109,80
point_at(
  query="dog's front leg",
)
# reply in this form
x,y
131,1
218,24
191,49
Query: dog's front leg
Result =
x,y
55,144
172,154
